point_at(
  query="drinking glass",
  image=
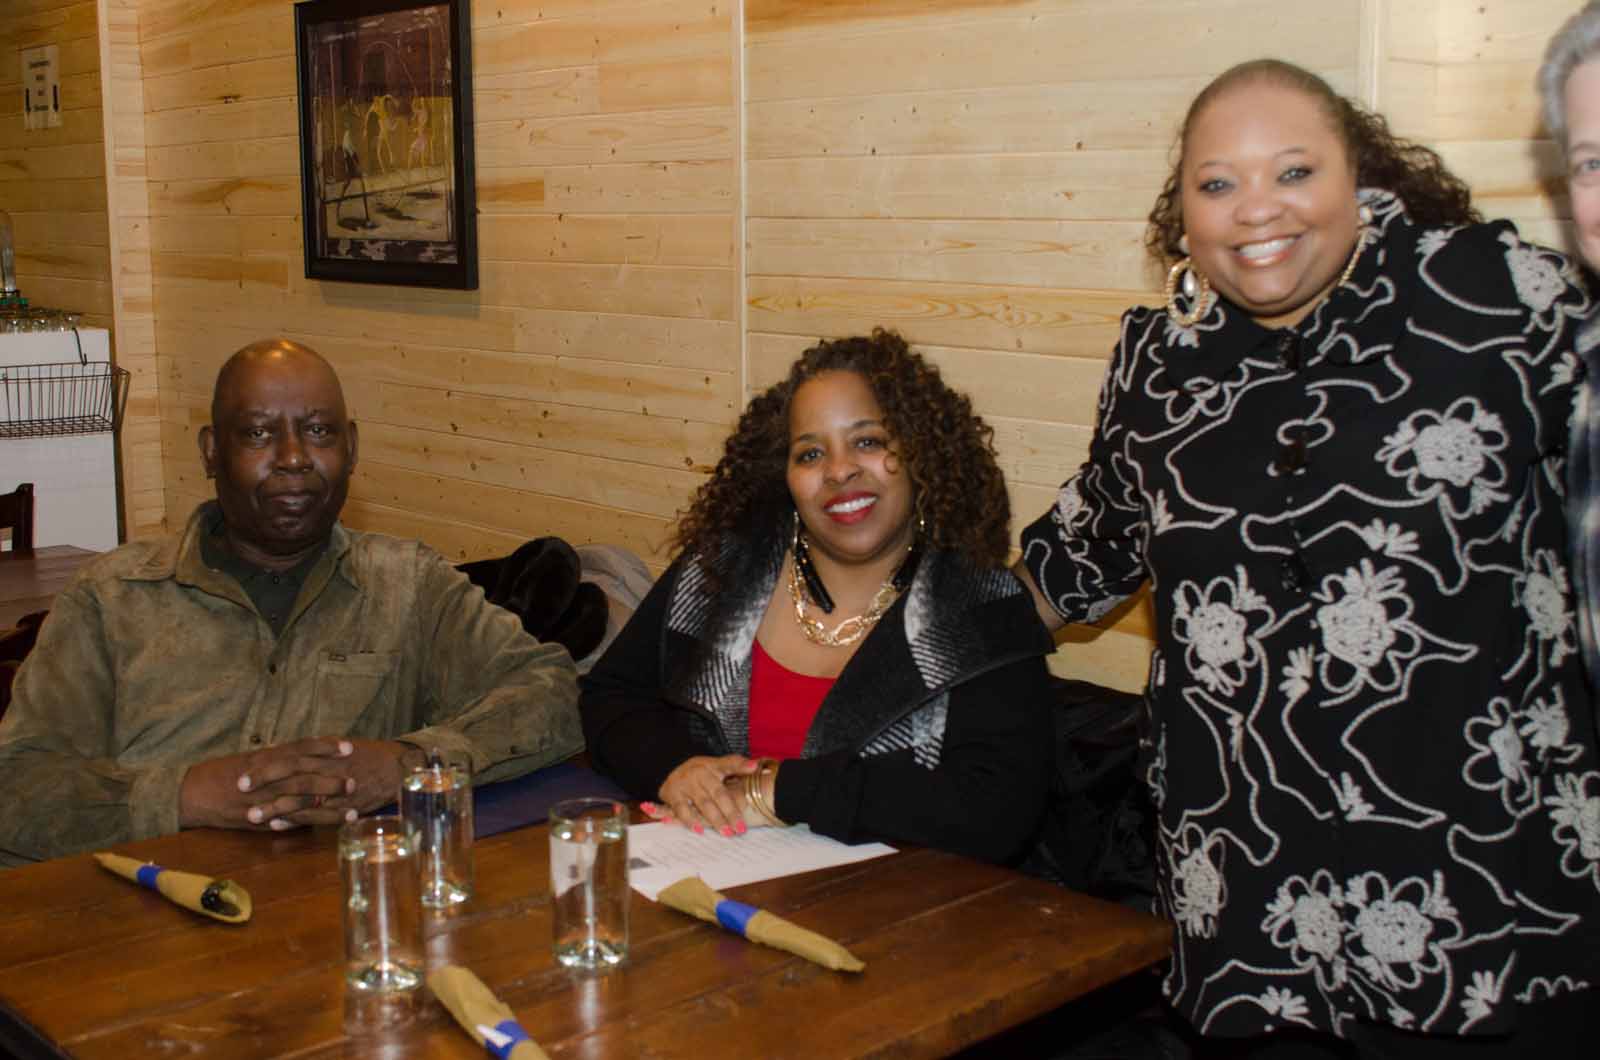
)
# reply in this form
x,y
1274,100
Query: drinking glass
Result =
x,y
436,797
589,882
382,911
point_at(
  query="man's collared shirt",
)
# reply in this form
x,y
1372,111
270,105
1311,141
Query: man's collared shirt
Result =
x,y
272,592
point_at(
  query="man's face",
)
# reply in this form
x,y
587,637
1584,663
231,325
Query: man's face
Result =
x,y
281,450
1583,156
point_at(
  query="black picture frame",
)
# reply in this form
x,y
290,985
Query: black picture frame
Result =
x,y
378,78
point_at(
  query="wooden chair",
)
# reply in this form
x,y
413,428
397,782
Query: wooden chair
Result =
x,y
16,515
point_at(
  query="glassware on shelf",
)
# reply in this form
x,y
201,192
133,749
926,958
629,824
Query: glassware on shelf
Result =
x,y
8,261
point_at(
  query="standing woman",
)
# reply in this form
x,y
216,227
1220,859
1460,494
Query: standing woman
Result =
x,y
838,642
1336,455
1569,84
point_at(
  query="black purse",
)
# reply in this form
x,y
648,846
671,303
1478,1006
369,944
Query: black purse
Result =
x,y
1098,833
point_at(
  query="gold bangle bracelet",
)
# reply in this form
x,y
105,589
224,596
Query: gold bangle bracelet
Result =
x,y
767,765
752,798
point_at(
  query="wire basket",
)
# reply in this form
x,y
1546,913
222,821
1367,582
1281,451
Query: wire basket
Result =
x,y
53,400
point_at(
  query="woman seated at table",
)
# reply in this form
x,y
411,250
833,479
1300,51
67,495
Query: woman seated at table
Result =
x,y
838,642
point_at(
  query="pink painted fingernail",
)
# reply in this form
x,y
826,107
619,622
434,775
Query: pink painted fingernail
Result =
x,y
244,782
699,829
345,747
740,828
649,807
727,832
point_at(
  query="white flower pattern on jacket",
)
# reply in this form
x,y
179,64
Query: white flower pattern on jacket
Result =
x,y
1371,745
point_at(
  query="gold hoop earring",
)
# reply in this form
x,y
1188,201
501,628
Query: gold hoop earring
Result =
x,y
1196,288
1363,236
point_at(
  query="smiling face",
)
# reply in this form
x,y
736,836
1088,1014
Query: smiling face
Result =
x,y
1583,156
1269,200
850,488
281,449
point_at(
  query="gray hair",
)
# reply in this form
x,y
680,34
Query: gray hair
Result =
x,y
1575,43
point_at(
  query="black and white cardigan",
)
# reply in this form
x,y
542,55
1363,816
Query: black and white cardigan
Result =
x,y
937,732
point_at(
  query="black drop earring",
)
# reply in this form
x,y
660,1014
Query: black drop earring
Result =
x,y
808,571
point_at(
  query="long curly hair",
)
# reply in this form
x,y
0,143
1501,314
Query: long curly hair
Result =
x,y
944,447
1434,197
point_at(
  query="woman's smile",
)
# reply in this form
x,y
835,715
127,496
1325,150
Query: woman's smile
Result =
x,y
1267,252
851,507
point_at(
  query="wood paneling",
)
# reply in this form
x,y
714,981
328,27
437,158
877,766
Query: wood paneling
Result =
x,y
1031,319
1100,45
587,384
1486,113
54,184
1067,186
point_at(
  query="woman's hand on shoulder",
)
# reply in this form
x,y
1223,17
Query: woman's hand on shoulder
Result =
x,y
698,796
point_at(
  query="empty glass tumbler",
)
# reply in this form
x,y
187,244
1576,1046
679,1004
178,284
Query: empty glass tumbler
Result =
x,y
589,882
378,862
436,797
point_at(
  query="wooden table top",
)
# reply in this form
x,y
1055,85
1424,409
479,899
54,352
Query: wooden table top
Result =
x,y
956,951
30,580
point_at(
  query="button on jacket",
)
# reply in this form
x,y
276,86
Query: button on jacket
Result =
x,y
1372,744
150,661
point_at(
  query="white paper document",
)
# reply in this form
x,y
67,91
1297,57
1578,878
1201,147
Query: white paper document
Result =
x,y
660,855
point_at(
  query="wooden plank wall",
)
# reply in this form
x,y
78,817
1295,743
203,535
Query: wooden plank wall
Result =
x,y
586,386
1486,116
134,333
52,181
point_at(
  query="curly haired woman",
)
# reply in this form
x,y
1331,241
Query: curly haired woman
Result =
x,y
838,642
1336,457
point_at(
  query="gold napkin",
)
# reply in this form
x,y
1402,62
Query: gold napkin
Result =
x,y
482,1015
691,895
221,900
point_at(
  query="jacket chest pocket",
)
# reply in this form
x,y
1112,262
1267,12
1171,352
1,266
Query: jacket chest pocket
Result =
x,y
355,693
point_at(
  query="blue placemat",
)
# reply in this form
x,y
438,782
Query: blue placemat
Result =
x,y
525,800
509,804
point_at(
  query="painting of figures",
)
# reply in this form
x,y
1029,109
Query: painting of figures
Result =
x,y
386,141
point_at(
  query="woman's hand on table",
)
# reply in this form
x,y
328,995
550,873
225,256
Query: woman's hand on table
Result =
x,y
698,794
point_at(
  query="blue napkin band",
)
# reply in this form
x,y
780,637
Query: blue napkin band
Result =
x,y
512,1033
735,916
146,876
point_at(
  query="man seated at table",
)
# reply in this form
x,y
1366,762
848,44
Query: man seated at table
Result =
x,y
265,668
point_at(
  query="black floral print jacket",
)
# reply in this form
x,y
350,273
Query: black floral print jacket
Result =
x,y
1371,742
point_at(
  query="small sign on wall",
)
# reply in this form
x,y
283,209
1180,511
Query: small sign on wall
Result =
x,y
41,87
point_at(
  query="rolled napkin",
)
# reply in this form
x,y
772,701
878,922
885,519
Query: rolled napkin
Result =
x,y
221,900
482,1015
691,895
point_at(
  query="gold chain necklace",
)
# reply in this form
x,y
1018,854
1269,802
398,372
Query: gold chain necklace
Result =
x,y
851,629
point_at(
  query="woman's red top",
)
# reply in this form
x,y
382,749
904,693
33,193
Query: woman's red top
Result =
x,y
782,704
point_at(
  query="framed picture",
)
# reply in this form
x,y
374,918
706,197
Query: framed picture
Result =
x,y
386,141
